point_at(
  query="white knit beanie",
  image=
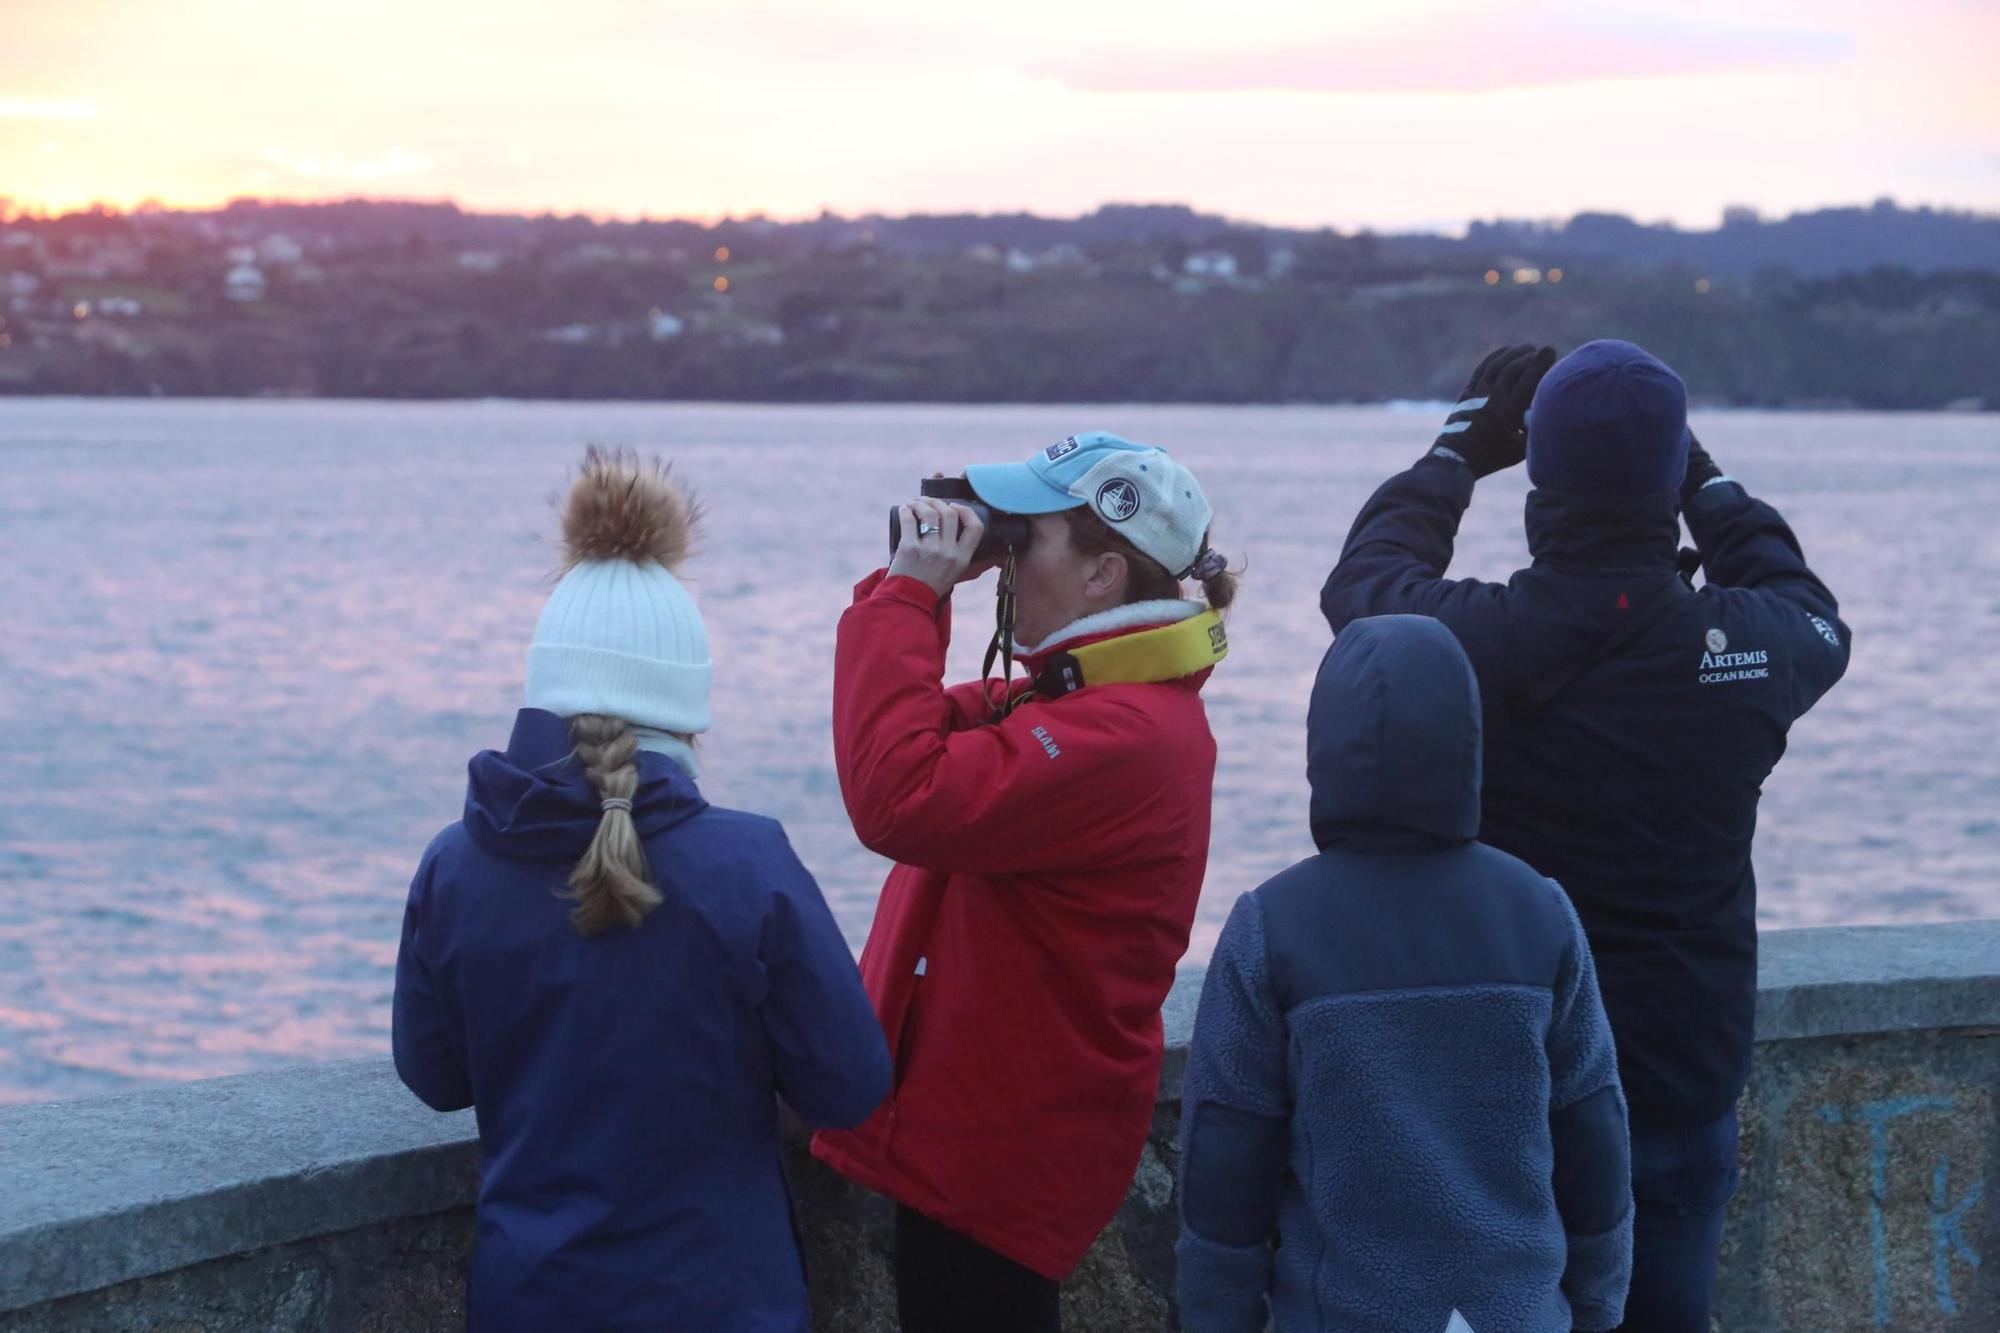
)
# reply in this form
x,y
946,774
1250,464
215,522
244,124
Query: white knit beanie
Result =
x,y
620,635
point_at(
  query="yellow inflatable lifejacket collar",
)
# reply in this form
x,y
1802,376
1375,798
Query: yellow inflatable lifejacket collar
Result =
x,y
1167,653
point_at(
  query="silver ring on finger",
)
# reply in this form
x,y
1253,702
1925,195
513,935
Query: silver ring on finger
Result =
x,y
926,529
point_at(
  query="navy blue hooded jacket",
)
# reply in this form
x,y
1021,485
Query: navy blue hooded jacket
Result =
x,y
624,1084
1401,1098
1636,785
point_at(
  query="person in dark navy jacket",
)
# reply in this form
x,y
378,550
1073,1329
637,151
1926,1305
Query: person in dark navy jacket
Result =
x,y
620,978
1401,1105
1631,723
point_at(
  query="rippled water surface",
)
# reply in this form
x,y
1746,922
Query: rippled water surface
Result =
x,y
247,648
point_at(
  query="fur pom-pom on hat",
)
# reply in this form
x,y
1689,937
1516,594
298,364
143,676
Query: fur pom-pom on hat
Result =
x,y
619,508
620,636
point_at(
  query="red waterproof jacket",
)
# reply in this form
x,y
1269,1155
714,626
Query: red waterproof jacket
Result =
x,y
1048,870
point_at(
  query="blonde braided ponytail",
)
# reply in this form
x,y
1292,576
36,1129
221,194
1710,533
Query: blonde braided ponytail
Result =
x,y
612,884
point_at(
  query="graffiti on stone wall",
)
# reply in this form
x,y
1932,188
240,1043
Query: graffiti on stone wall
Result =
x,y
1951,1251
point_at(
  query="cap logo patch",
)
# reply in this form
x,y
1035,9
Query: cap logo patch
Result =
x,y
1067,445
1717,641
1117,500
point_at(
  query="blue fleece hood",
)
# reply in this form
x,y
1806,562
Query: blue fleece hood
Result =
x,y
533,802
1393,739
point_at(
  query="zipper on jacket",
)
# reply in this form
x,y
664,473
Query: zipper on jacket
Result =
x,y
902,1061
905,1032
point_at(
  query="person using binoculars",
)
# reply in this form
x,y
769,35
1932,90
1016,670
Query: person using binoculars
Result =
x,y
1631,722
1050,837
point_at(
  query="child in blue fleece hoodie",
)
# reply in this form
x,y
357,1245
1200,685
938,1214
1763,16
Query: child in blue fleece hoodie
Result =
x,y
621,979
1402,1111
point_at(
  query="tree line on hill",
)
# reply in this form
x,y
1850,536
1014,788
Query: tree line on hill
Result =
x,y
1871,307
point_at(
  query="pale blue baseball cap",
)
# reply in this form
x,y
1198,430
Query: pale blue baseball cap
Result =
x,y
1137,490
1049,482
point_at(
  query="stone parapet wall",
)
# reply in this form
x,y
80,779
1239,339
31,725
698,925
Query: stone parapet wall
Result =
x,y
327,1198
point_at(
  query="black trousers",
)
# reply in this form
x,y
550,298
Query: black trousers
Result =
x,y
947,1282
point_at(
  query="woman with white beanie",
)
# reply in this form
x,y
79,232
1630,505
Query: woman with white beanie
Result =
x,y
618,977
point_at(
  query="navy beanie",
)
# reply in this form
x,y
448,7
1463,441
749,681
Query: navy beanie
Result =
x,y
1609,419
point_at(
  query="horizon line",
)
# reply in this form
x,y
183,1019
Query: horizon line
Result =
x,y
14,210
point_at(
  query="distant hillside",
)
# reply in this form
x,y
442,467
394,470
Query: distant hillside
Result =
x,y
1879,307
1814,244
1832,240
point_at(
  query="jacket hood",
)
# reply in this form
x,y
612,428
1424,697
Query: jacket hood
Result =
x,y
1393,739
1127,619
1132,618
533,802
1604,532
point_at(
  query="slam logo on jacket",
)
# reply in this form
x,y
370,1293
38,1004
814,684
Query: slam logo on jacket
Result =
x,y
1720,666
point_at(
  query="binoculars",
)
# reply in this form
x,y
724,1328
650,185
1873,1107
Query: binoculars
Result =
x,y
1004,531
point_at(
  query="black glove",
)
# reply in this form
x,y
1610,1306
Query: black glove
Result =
x,y
1488,430
1701,470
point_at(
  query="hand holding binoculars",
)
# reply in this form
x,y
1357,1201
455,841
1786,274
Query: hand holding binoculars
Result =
x,y
1004,531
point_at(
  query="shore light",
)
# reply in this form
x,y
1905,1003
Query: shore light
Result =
x,y
1555,275
82,310
1492,277
1701,286
722,254
1527,276
721,284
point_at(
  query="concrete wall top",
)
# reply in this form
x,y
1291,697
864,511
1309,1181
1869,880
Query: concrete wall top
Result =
x,y
1836,980
107,1189
104,1189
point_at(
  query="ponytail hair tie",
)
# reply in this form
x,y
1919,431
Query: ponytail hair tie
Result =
x,y
610,803
1206,565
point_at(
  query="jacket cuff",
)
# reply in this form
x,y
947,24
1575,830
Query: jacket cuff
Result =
x,y
1451,479
1222,1288
881,586
1444,456
1596,1319
897,587
1598,1276
903,588
1712,496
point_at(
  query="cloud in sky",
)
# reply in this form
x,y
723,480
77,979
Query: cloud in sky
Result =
x,y
1661,108
31,108
1460,52
337,167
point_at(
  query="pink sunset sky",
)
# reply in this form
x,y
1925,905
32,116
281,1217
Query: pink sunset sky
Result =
x,y
1414,113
